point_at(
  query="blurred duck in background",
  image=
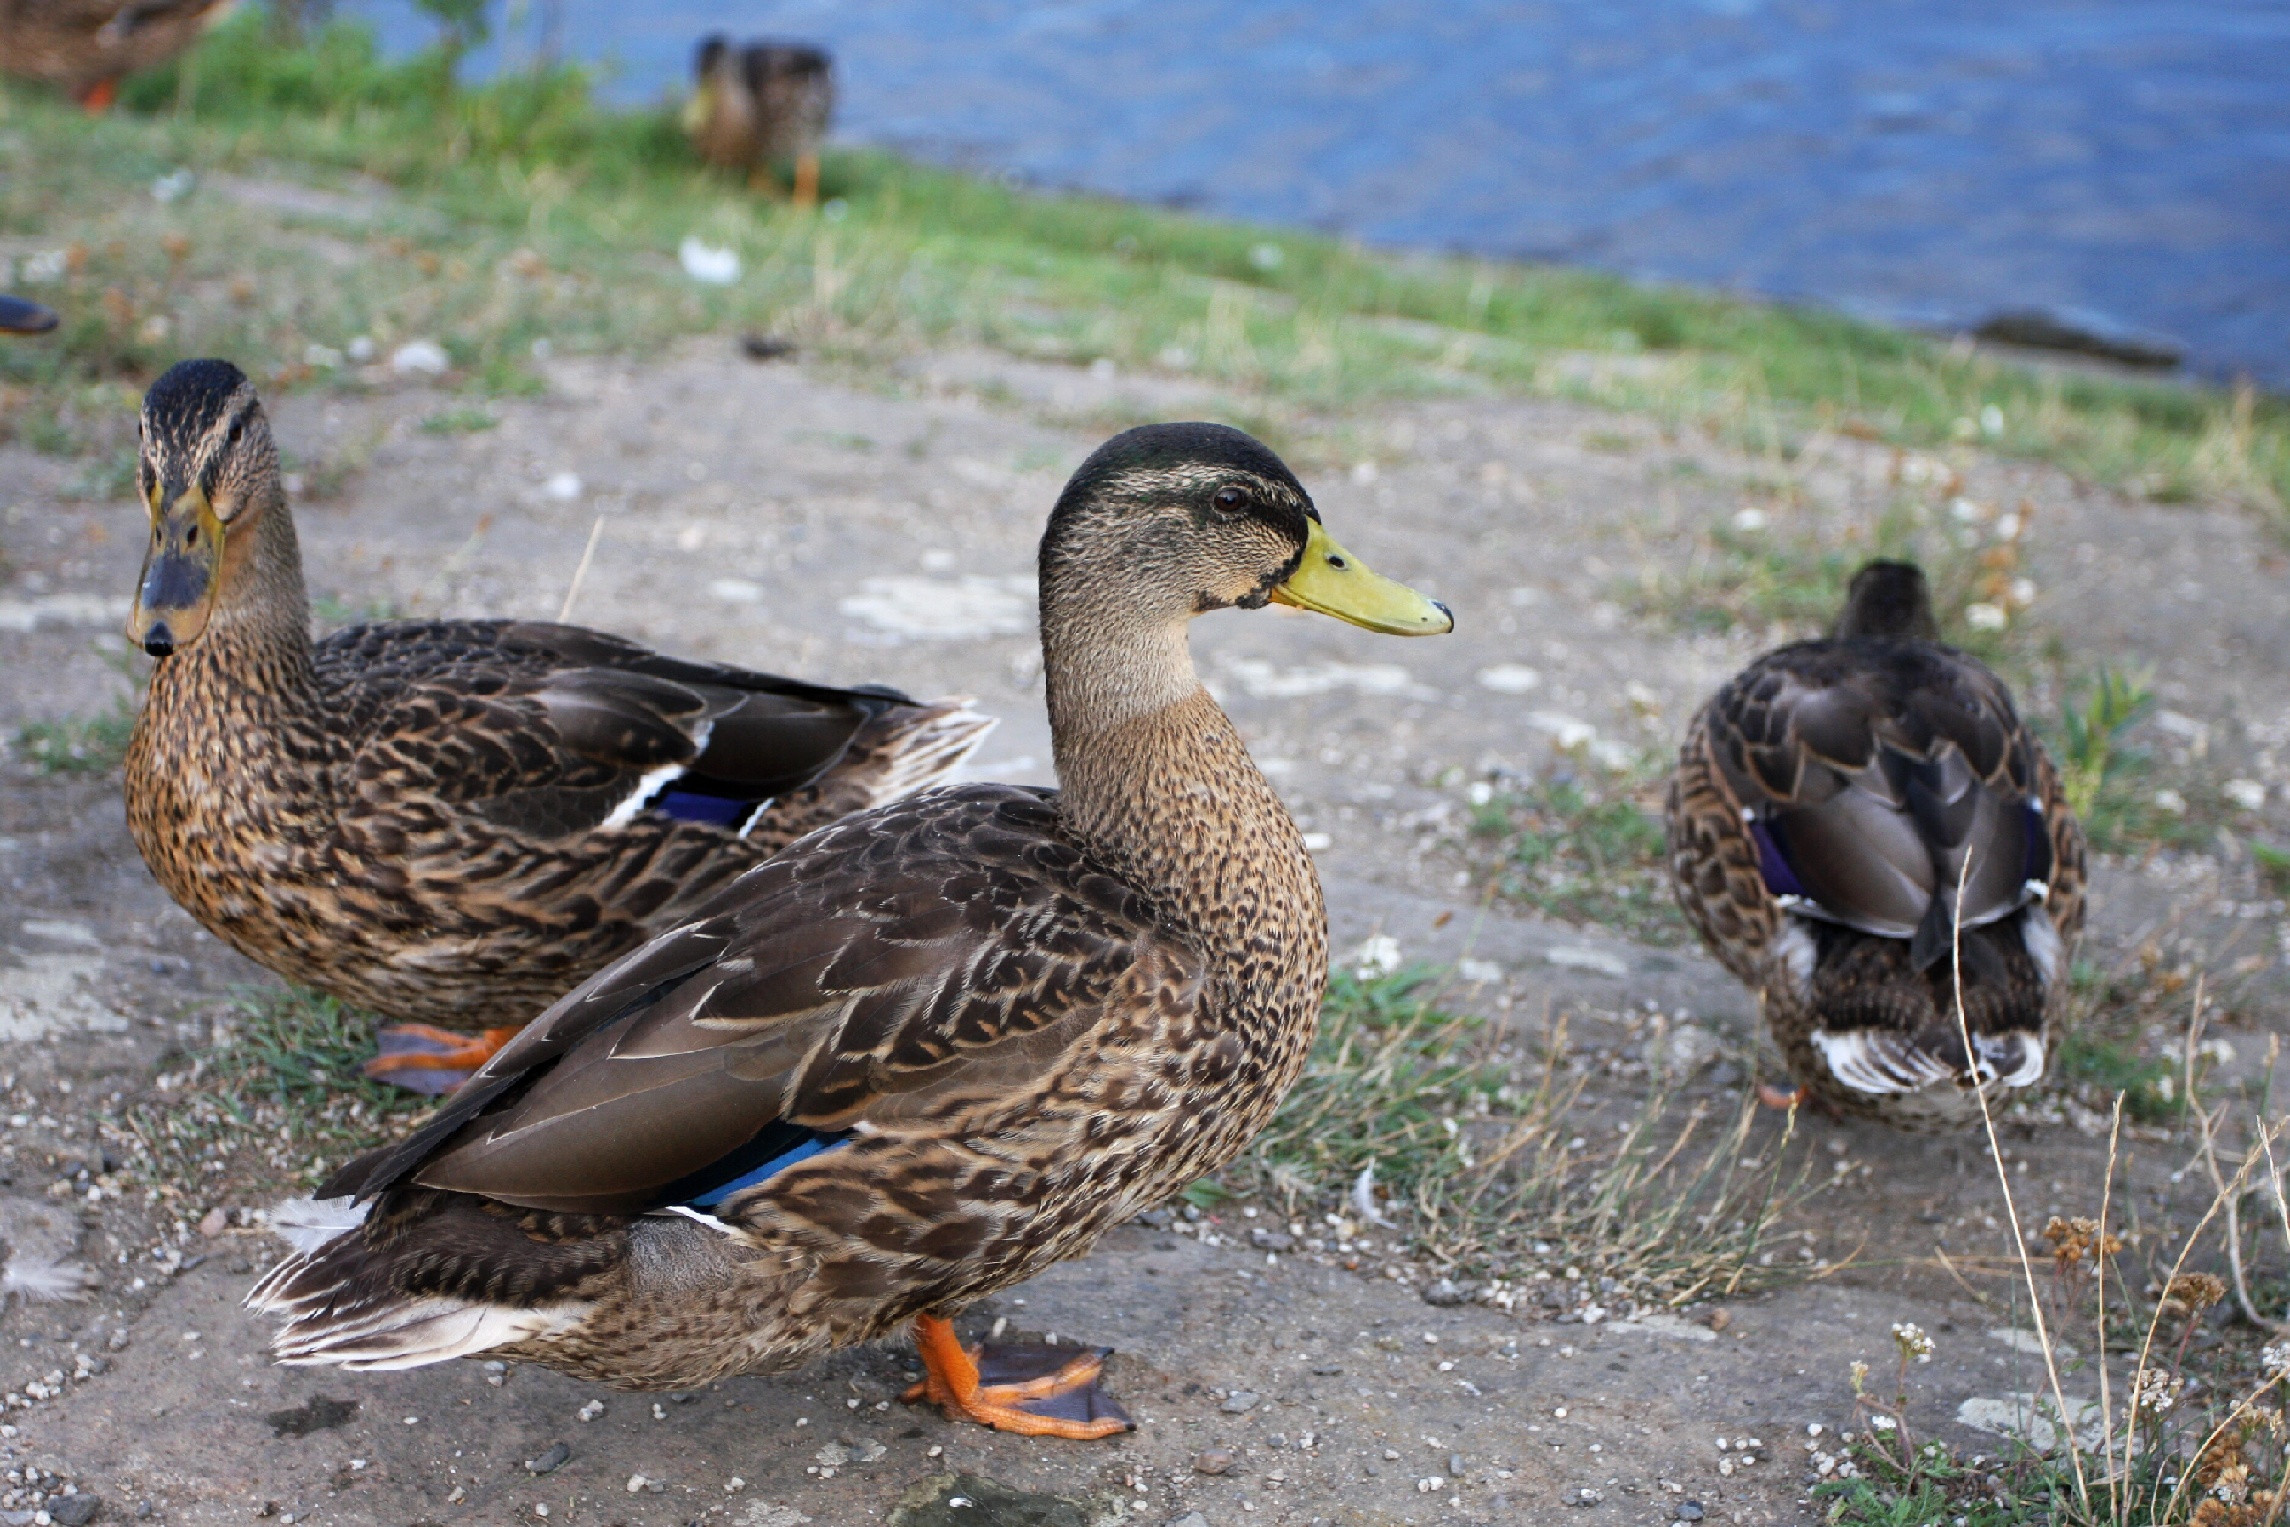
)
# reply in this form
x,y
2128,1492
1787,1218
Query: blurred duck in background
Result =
x,y
20,317
88,46
763,104
1867,835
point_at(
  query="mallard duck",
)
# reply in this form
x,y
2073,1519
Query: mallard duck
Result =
x,y
1839,810
88,46
759,105
917,1057
17,316
449,823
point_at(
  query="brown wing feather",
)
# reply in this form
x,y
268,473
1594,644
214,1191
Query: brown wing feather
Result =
x,y
884,975
1881,768
551,728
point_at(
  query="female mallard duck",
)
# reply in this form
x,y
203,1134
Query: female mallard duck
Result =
x,y
919,1056
762,104
18,316
88,46
1845,814
448,822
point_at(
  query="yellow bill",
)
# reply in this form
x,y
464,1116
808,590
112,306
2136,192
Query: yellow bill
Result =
x,y
1332,581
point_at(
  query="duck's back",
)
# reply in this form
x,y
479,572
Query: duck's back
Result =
x,y
1852,820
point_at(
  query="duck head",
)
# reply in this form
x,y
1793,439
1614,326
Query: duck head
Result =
x,y
1169,521
208,475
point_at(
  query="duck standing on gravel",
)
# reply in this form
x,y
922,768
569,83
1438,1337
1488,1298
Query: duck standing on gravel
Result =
x,y
88,46
919,1056
18,316
1828,805
762,104
448,822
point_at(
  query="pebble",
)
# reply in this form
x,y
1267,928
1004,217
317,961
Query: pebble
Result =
x,y
1240,1402
550,1461
1214,1461
1689,1511
1447,1293
1190,1519
420,357
74,1510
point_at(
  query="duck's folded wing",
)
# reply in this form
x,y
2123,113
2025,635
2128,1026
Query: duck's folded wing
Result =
x,y
555,730
925,963
1876,779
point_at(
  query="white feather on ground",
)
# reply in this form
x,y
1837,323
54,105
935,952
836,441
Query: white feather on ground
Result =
x,y
40,1238
309,1223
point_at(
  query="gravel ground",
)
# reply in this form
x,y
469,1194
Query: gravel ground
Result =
x,y
797,520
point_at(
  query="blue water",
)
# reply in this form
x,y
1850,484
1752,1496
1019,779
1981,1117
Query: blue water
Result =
x,y
1925,161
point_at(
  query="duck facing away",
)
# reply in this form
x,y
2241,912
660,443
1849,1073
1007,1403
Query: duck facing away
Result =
x,y
919,1056
762,104
451,822
1828,804
88,46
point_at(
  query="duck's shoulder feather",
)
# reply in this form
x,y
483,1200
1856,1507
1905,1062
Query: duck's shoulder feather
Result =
x,y
925,969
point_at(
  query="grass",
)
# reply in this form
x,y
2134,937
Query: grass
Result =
x,y
272,1104
494,217
1479,1157
1582,849
2181,1437
1760,574
78,745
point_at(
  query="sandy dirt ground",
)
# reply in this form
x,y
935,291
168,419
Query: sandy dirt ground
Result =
x,y
803,521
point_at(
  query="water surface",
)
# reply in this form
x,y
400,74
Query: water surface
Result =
x,y
1925,161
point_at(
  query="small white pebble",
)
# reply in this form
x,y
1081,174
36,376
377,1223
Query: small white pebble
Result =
x,y
734,1485
935,1451
659,1411
635,1484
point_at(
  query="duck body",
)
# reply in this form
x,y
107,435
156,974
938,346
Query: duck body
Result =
x,y
918,1057
88,46
762,103
450,823
1828,803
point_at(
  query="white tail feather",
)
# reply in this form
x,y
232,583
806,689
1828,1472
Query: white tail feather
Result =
x,y
416,1333
309,1223
931,747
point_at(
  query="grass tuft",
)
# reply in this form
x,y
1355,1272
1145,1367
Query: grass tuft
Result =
x,y
78,745
1480,1160
1583,850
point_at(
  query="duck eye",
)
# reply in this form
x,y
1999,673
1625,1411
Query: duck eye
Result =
x,y
238,428
1230,500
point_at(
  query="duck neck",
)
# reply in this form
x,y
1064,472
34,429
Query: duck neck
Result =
x,y
1156,781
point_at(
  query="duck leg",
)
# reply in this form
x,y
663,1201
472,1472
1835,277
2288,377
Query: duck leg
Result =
x,y
97,98
431,1061
1016,1389
806,180
1783,1099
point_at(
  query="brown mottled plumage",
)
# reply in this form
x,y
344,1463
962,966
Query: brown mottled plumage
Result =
x,y
1826,805
88,46
762,104
448,822
1005,1019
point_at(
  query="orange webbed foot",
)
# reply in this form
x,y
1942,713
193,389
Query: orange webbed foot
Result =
x,y
1033,1391
1775,1097
98,97
431,1061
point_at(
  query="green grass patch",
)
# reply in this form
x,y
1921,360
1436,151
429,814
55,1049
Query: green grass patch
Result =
x,y
278,1098
493,217
1480,1150
1581,849
460,421
2107,1065
78,745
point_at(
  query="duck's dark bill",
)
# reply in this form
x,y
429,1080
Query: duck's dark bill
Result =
x,y
20,317
180,571
1331,581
